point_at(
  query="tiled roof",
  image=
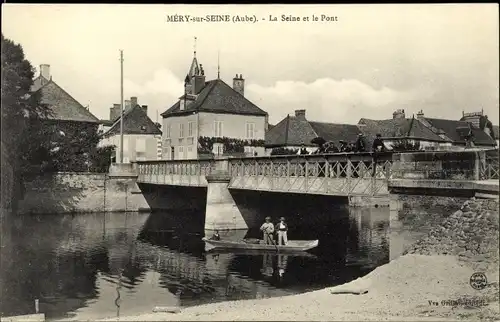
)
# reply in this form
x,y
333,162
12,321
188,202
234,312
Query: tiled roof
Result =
x,y
291,130
397,128
135,121
495,131
449,127
295,131
336,132
217,97
62,105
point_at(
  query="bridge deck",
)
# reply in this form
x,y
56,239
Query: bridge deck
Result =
x,y
339,174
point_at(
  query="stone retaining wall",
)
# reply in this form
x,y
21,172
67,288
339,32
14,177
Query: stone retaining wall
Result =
x,y
471,232
81,192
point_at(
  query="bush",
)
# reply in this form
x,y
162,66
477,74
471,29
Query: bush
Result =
x,y
284,151
405,145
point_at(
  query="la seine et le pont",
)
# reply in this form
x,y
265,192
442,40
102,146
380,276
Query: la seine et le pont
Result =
x,y
290,18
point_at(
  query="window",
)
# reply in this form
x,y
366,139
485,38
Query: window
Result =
x,y
167,131
190,129
182,104
181,130
190,152
218,148
140,145
250,130
250,151
218,129
181,153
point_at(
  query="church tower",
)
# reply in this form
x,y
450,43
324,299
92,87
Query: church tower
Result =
x,y
194,81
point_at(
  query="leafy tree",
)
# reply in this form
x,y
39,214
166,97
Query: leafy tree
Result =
x,y
101,158
22,132
74,148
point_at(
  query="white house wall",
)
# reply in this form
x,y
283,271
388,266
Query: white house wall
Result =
x,y
136,147
186,147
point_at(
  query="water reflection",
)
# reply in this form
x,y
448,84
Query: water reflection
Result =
x,y
92,266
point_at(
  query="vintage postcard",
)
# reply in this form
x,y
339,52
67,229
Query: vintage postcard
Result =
x,y
250,162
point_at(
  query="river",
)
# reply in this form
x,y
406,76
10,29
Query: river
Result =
x,y
92,266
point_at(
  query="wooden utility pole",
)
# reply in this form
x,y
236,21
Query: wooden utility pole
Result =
x,y
121,106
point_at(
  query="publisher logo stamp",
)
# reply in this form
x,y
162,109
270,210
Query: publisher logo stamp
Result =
x,y
478,281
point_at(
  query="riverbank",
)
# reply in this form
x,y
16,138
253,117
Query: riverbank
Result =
x,y
430,282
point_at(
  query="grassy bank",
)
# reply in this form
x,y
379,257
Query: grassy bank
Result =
x,y
430,282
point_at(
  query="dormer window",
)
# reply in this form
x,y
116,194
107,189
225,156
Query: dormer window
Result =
x,y
182,104
143,128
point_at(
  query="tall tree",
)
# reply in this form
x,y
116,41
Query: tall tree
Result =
x,y
24,138
22,132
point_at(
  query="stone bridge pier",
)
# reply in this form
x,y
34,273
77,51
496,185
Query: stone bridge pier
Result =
x,y
221,211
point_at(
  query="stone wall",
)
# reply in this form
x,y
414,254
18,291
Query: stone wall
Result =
x,y
437,165
420,212
81,192
470,232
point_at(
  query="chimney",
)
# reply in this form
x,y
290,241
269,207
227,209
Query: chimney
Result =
x,y
133,101
114,112
398,114
300,113
473,118
239,84
45,71
145,109
198,81
420,114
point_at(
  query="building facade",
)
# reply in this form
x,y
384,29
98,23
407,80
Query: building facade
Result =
x,y
141,135
212,118
457,131
402,129
295,132
71,122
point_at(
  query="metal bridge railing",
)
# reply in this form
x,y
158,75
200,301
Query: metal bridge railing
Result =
x,y
176,167
340,165
489,169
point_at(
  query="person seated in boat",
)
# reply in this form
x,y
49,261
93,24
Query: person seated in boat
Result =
x,y
282,229
215,236
267,229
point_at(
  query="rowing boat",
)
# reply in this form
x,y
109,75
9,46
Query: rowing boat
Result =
x,y
290,247
257,252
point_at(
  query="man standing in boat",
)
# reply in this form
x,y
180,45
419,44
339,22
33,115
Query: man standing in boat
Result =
x,y
267,229
282,229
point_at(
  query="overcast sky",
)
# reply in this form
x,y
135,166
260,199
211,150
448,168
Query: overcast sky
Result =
x,y
443,59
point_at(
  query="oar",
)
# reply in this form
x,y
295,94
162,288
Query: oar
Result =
x,y
269,236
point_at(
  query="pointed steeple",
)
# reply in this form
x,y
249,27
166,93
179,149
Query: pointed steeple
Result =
x,y
218,64
195,68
